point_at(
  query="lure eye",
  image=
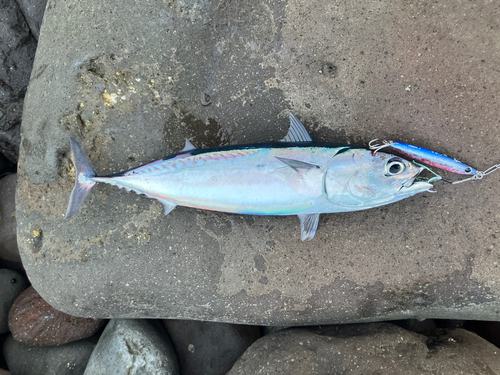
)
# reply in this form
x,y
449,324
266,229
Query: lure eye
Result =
x,y
468,170
395,166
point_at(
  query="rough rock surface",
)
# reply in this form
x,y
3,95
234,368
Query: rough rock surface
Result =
x,y
12,283
34,322
17,46
369,349
8,233
209,348
33,14
133,347
69,359
228,72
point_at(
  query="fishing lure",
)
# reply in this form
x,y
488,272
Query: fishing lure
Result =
x,y
433,158
425,156
295,176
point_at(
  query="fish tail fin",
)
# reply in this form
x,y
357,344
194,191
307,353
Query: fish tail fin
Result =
x,y
83,178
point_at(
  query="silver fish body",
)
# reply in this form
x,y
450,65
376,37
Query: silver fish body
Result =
x,y
294,178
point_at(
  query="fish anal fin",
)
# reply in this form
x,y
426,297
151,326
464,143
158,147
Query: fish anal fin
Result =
x,y
188,147
308,226
297,165
169,206
297,131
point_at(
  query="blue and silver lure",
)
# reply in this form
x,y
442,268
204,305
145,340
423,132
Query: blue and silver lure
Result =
x,y
426,156
433,158
295,176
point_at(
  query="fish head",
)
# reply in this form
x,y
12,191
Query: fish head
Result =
x,y
356,178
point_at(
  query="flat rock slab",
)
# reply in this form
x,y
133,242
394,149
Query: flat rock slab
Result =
x,y
131,83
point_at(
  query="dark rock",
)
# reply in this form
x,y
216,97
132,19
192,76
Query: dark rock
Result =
x,y
12,283
18,51
18,47
14,266
229,74
3,337
449,323
33,13
10,122
209,348
266,330
34,322
8,234
68,359
380,348
6,166
130,346
488,330
415,325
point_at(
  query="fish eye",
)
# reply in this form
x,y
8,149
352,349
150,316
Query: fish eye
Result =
x,y
395,166
468,170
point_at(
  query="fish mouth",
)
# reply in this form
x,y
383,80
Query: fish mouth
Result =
x,y
416,185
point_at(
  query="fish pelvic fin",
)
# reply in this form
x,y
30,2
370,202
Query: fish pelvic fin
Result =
x,y
83,178
308,226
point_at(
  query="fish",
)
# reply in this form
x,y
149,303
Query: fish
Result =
x,y
294,176
426,156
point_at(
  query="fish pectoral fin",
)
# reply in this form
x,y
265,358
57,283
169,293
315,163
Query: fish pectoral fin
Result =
x,y
169,206
188,147
308,226
297,165
297,131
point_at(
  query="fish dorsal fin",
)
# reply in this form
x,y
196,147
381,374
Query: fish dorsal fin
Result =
x,y
188,147
298,165
308,226
169,206
297,131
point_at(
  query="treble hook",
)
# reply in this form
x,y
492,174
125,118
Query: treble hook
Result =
x,y
376,148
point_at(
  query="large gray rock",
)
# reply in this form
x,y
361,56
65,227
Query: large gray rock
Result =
x,y
229,72
12,283
368,349
17,47
68,359
132,347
